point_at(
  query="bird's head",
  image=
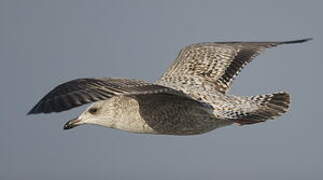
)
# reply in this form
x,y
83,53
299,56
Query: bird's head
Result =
x,y
100,113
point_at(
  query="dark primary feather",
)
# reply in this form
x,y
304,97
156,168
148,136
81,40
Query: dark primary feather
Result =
x,y
218,62
82,91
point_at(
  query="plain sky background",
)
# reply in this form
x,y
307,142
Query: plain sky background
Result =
x,y
46,42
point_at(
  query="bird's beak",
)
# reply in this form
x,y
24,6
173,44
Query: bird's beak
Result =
x,y
72,123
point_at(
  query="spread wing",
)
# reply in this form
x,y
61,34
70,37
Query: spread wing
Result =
x,y
82,91
218,63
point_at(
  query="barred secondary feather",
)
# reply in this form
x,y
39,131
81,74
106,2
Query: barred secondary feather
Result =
x,y
190,97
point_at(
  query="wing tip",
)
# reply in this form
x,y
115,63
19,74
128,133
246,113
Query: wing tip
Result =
x,y
33,111
296,41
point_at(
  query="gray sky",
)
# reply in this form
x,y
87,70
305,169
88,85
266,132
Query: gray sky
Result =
x,y
44,43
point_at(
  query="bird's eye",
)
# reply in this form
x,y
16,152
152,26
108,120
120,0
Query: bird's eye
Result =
x,y
93,110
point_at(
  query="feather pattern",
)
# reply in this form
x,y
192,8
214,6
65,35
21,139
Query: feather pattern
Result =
x,y
218,62
82,91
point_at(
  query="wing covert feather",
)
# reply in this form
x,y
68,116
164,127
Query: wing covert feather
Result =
x,y
218,63
82,91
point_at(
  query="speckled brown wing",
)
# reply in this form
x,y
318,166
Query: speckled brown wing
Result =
x,y
218,62
82,91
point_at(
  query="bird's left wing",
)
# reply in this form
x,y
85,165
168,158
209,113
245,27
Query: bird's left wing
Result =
x,y
218,63
82,91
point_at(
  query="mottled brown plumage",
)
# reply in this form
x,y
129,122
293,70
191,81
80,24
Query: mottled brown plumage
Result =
x,y
190,98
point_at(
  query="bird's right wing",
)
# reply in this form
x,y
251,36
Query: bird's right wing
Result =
x,y
217,63
82,91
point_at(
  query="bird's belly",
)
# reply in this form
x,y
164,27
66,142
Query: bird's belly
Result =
x,y
192,126
185,124
179,124
199,128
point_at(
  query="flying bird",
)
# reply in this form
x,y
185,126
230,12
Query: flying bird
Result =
x,y
190,98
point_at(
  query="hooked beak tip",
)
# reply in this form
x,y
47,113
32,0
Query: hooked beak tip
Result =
x,y
72,123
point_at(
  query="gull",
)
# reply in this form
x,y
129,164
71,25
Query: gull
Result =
x,y
190,98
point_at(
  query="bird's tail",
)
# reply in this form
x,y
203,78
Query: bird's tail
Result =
x,y
265,107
